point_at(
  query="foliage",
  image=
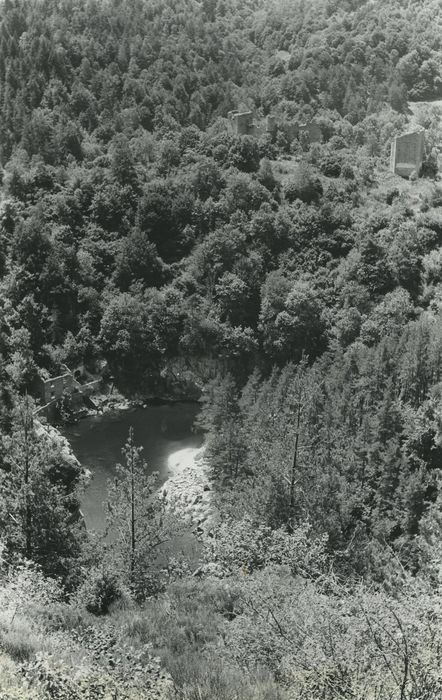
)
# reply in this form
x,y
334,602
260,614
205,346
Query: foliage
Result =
x,y
99,591
245,546
136,228
138,526
39,502
304,186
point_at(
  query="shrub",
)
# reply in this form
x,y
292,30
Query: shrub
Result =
x,y
432,266
330,643
99,591
245,546
20,642
304,186
347,172
392,195
331,165
244,154
216,681
430,165
436,197
13,686
348,325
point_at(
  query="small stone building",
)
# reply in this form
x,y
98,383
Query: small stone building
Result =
x,y
77,385
311,131
407,153
53,388
241,122
270,126
246,124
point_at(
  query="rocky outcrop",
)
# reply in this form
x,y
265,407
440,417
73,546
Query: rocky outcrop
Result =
x,y
74,472
54,437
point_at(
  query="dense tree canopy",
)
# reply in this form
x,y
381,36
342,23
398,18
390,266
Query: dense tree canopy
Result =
x,y
139,233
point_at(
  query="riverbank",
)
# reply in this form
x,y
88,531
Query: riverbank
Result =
x,y
54,437
188,489
97,440
104,403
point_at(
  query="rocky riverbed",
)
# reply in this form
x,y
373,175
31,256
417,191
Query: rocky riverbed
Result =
x,y
188,489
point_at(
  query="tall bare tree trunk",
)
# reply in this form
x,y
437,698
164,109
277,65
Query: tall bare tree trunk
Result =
x,y
27,422
132,505
293,471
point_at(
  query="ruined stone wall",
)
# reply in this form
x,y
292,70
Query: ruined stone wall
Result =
x,y
310,131
53,388
270,124
407,153
245,124
241,122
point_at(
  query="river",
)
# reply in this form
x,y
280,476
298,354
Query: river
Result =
x,y
97,442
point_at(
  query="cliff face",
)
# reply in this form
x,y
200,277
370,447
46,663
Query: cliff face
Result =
x,y
72,473
185,376
55,438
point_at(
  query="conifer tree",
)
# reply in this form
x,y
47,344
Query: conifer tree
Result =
x,y
39,514
138,523
221,418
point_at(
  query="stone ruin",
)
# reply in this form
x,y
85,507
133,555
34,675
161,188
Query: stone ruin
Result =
x,y
310,131
241,123
407,153
245,124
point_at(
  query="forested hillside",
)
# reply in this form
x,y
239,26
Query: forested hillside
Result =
x,y
139,232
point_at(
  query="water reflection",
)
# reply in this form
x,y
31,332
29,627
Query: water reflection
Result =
x,y
97,442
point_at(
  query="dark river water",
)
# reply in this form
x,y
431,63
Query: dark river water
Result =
x,y
97,442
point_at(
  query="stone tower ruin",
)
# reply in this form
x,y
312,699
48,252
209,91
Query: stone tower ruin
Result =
x,y
246,124
407,153
241,122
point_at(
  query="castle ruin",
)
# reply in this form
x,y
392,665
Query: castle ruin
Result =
x,y
241,122
310,131
407,153
78,385
245,124
53,388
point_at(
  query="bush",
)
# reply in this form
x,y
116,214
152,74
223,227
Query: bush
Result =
x,y
20,642
432,266
244,154
430,166
216,681
331,165
13,686
347,172
324,642
304,186
245,546
185,626
392,195
99,591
